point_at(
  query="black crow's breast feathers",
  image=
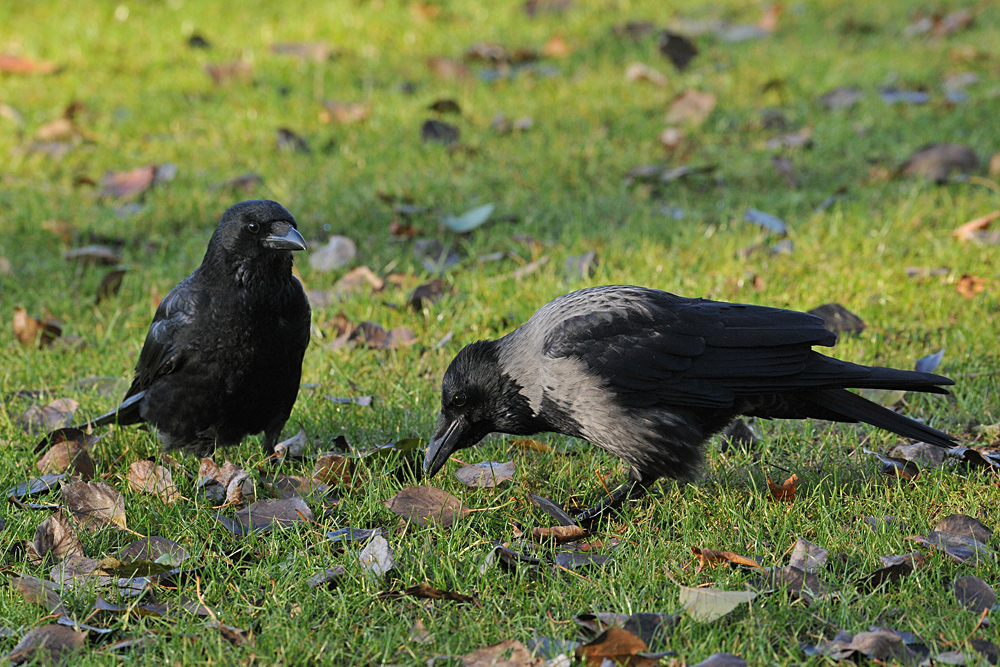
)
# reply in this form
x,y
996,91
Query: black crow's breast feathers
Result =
x,y
649,346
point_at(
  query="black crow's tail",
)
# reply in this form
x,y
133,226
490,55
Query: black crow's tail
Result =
x,y
124,414
856,408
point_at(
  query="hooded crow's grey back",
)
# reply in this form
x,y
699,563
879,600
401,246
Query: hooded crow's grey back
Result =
x,y
223,356
649,376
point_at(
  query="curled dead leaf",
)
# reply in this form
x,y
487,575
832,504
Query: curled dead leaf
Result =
x,y
784,491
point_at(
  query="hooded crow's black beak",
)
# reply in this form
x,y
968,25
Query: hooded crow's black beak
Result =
x,y
447,438
284,237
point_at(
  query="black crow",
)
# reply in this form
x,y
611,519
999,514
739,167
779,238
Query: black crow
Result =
x,y
223,356
649,376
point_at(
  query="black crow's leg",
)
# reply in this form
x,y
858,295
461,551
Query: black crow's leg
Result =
x,y
271,436
629,490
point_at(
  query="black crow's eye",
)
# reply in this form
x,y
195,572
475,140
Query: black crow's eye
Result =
x,y
253,227
458,400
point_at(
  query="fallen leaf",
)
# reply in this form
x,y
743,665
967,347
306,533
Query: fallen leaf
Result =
x,y
785,491
333,469
469,220
154,548
246,182
967,526
708,604
328,577
315,51
50,417
642,72
487,474
128,184
557,47
287,139
109,286
419,633
799,584
712,556
56,536
293,447
508,653
425,505
428,592
558,534
692,108
677,48
841,98
149,477
617,645
51,644
349,535
936,162
807,556
722,660
839,319
359,280
893,569
32,331
94,505
274,513
958,547
10,64
969,286
338,252
39,591
67,450
440,132
975,230
921,453
448,68
344,113
771,223
531,445
426,294
974,594
896,467
377,557
882,645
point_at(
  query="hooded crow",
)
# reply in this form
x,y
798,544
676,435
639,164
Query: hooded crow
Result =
x,y
223,356
649,376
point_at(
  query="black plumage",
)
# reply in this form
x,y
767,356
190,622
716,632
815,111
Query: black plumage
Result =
x,y
649,376
223,356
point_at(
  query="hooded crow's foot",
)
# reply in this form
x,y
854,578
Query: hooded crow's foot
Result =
x,y
592,515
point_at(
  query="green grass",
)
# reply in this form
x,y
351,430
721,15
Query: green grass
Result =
x,y
146,99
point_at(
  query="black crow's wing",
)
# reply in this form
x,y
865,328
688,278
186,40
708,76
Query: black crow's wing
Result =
x,y
161,354
653,347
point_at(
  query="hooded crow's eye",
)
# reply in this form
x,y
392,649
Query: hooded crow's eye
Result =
x,y
458,400
253,227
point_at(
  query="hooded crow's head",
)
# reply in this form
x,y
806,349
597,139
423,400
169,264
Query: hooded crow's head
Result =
x,y
477,398
255,232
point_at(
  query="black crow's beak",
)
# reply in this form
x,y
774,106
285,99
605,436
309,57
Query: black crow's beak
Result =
x,y
447,438
284,237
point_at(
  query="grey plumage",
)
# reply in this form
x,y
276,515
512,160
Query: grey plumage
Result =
x,y
649,376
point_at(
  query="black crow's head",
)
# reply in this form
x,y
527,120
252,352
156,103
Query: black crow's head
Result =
x,y
256,229
477,398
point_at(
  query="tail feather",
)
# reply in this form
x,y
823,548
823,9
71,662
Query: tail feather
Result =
x,y
900,380
126,413
857,408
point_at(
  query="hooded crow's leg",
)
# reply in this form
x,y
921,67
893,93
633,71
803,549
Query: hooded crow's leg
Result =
x,y
630,490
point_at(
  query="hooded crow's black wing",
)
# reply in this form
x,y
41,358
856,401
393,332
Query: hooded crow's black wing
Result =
x,y
653,347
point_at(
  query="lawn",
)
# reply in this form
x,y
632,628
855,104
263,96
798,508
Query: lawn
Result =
x,y
326,107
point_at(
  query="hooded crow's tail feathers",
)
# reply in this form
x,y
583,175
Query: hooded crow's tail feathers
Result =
x,y
900,380
855,408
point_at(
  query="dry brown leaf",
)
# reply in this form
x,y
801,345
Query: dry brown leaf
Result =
x,y
973,230
10,64
448,68
46,418
487,474
784,491
68,450
557,47
692,108
281,512
49,644
769,20
709,557
39,591
94,505
32,331
969,286
508,653
533,445
333,469
643,72
619,646
344,113
558,534
225,72
291,486
357,281
425,505
56,536
128,184
148,477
